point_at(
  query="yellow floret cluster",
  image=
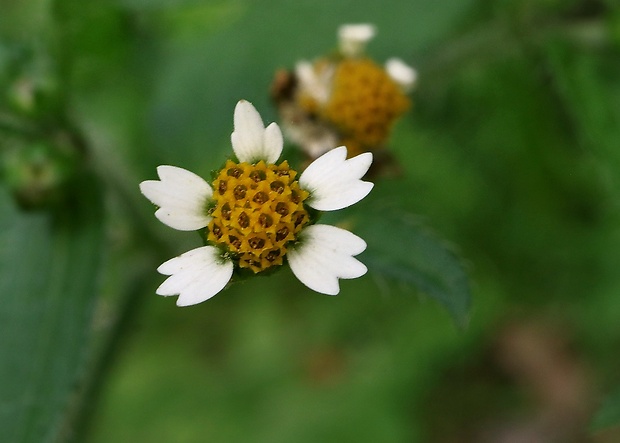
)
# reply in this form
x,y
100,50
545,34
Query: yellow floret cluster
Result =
x,y
258,210
363,105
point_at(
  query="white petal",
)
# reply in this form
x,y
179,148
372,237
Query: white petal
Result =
x,y
250,141
353,38
272,143
401,73
304,71
181,196
316,84
335,182
195,276
324,255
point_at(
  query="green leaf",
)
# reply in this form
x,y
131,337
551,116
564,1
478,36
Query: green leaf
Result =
x,y
586,83
609,414
402,249
48,282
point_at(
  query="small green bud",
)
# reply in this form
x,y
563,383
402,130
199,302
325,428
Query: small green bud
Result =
x,y
37,172
33,96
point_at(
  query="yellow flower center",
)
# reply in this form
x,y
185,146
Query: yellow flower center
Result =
x,y
258,211
364,104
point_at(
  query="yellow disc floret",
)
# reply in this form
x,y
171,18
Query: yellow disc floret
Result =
x,y
364,104
258,211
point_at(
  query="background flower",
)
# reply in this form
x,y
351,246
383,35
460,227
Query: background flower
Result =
x,y
347,97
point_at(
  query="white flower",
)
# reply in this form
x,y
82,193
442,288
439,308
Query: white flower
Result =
x,y
353,38
401,73
343,100
318,255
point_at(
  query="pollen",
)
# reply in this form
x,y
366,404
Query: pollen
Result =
x,y
364,104
259,209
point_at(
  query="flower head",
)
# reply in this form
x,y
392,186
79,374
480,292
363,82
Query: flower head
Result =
x,y
346,99
258,214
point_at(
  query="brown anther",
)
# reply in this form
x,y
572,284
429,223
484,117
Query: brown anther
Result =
x,y
256,242
265,220
282,209
234,241
226,211
258,176
235,172
254,263
222,187
260,197
295,197
239,191
282,233
278,187
299,218
217,231
244,220
272,255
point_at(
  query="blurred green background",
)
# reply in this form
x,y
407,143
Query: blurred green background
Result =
x,y
510,161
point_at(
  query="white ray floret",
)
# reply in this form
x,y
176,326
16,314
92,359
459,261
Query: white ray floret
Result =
x,y
353,38
402,73
335,182
316,84
182,197
325,254
251,141
195,276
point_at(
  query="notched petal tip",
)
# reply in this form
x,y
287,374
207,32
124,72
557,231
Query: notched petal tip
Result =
x,y
181,196
363,160
335,182
148,188
247,136
325,255
251,141
169,171
273,143
195,276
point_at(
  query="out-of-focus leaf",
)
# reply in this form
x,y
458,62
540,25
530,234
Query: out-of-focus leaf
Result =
x,y
48,282
609,413
402,249
586,82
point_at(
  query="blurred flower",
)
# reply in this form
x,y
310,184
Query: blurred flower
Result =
x,y
345,99
257,213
